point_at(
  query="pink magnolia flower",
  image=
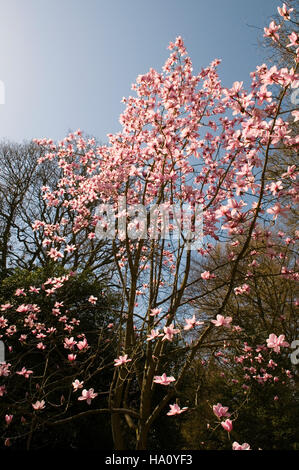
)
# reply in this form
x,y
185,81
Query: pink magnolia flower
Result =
x,y
77,384
163,379
284,12
23,308
275,187
54,254
20,292
276,342
227,425
26,373
70,248
191,323
237,86
5,369
37,224
72,357
5,306
222,321
242,289
82,344
264,95
293,40
39,405
277,209
8,419
88,395
176,410
220,410
291,172
237,446
272,364
207,275
34,289
121,360
69,343
169,331
3,322
155,311
92,299
237,328
272,31
154,334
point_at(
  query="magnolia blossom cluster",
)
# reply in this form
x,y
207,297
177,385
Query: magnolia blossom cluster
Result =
x,y
256,364
161,99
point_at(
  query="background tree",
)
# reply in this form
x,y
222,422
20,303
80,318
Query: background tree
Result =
x,y
268,394
49,371
24,261
22,201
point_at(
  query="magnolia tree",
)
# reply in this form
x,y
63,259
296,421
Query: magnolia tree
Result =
x,y
189,168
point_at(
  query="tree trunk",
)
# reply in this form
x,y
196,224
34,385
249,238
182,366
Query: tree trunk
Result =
x,y
141,438
116,427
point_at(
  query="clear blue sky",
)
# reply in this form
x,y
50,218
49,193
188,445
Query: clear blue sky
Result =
x,y
66,64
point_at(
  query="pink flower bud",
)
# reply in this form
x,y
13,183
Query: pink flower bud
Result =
x,y
227,425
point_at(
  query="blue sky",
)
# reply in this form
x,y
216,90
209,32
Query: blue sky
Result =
x,y
66,64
